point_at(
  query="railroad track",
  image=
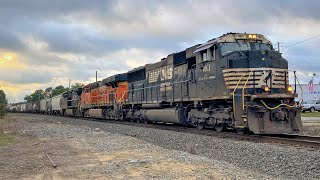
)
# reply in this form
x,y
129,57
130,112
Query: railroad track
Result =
x,y
297,139
284,139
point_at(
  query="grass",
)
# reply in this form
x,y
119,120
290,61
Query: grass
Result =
x,y
6,139
310,114
7,132
5,120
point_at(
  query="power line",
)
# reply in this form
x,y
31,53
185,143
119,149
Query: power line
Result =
x,y
301,41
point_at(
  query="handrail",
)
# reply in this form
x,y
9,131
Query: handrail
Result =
x,y
243,89
276,107
234,105
300,89
122,98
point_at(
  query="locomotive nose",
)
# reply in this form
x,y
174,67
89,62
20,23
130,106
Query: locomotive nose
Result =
x,y
257,59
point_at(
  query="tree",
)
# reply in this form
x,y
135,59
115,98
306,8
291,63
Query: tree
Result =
x,y
3,103
58,90
77,85
36,96
49,92
3,98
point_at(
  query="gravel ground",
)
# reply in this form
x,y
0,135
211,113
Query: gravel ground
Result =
x,y
83,152
311,128
312,119
229,159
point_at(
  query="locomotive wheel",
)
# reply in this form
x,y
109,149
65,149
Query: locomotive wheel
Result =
x,y
240,131
200,126
220,127
139,119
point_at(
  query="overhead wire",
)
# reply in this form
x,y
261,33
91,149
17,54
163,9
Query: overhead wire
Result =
x,y
285,47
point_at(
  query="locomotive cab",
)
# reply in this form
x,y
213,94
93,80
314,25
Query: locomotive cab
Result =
x,y
255,77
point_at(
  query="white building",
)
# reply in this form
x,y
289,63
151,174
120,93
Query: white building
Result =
x,y
306,93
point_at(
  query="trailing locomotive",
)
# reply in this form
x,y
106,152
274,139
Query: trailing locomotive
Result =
x,y
236,81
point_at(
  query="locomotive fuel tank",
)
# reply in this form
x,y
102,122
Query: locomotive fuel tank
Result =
x,y
169,115
70,112
96,113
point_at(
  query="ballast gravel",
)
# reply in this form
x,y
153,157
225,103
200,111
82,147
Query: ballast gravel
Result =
x,y
238,159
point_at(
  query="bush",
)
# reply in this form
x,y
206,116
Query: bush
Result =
x,y
2,110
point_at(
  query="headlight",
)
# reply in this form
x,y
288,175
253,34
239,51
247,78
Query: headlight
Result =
x,y
289,89
252,36
265,88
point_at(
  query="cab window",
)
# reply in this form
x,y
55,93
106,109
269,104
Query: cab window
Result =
x,y
260,46
206,54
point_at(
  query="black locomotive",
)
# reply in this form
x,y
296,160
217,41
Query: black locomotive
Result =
x,y
236,81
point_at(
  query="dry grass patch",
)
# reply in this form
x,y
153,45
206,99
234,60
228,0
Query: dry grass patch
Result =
x,y
7,131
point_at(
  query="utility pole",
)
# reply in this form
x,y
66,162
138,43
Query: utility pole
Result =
x,y
69,82
96,76
278,46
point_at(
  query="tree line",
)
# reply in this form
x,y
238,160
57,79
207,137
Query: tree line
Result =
x,y
49,92
3,103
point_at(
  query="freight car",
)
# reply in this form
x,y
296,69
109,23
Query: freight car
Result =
x,y
18,108
56,105
233,82
23,107
36,107
29,107
43,106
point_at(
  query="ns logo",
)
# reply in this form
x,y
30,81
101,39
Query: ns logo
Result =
x,y
266,77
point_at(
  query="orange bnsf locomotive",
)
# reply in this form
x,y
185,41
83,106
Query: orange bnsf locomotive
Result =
x,y
233,82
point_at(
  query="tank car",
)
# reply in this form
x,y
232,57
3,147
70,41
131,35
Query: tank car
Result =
x,y
236,81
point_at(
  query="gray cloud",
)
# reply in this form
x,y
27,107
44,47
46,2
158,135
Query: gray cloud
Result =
x,y
27,76
8,40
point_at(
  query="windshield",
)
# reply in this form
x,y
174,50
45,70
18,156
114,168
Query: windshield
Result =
x,y
311,102
227,48
260,46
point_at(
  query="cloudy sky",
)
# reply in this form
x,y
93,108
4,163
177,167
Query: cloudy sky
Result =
x,y
44,43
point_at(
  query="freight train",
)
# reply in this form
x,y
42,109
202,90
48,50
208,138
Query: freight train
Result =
x,y
233,82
